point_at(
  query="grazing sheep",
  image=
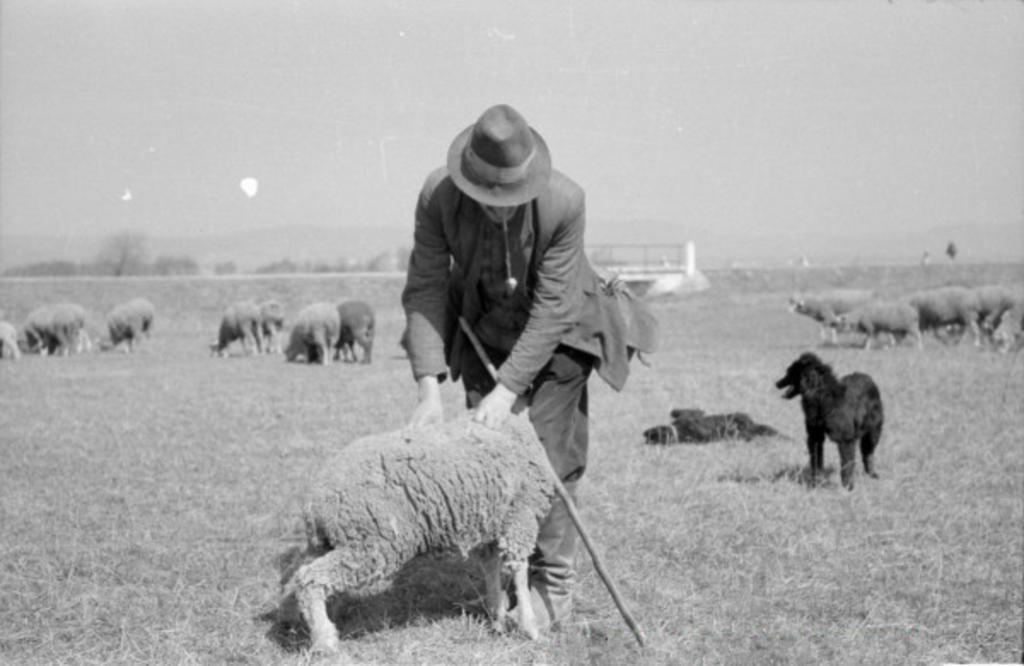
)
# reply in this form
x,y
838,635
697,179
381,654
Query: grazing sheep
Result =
x,y
897,318
56,329
129,322
1009,335
271,324
241,321
9,341
357,325
945,307
314,334
823,306
694,426
385,499
847,410
993,301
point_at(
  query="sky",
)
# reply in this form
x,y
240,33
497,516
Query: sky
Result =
x,y
752,119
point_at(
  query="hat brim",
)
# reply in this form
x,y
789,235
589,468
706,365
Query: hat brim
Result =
x,y
536,179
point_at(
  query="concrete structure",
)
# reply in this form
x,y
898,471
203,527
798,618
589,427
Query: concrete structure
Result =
x,y
652,270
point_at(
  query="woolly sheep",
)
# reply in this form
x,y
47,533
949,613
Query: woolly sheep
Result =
x,y
129,322
357,326
56,328
384,499
241,321
939,309
9,341
993,301
897,318
824,306
314,334
271,325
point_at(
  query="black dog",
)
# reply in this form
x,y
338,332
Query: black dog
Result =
x,y
694,426
847,410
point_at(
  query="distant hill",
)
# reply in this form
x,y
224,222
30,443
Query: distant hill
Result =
x,y
715,249
718,249
248,249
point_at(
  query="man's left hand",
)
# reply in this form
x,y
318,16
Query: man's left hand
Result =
x,y
495,407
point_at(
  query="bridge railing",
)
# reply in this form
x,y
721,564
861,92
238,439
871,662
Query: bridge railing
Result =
x,y
647,257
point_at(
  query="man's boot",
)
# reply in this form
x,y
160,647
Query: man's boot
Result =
x,y
553,566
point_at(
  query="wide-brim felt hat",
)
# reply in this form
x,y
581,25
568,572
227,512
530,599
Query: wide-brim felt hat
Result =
x,y
500,160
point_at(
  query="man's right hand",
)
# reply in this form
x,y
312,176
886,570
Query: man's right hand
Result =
x,y
429,409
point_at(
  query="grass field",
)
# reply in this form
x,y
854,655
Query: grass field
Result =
x,y
144,498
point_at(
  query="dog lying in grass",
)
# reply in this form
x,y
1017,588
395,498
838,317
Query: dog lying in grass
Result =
x,y
848,411
694,426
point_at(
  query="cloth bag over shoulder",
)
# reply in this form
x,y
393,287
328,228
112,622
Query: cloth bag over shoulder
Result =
x,y
614,326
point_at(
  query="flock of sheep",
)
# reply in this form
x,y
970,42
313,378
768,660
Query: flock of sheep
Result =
x,y
59,329
321,331
992,314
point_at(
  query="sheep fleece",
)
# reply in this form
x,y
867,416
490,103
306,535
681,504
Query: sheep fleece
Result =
x,y
389,497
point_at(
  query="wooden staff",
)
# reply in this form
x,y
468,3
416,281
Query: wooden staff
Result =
x,y
563,494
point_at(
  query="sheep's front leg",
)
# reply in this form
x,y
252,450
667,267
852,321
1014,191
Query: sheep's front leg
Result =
x,y
497,602
313,583
526,619
323,634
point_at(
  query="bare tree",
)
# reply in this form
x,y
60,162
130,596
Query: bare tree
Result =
x,y
124,253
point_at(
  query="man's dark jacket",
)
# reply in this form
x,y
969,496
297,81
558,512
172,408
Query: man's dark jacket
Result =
x,y
570,303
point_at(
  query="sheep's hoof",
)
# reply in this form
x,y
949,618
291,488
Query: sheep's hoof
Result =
x,y
325,646
524,625
530,629
509,625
